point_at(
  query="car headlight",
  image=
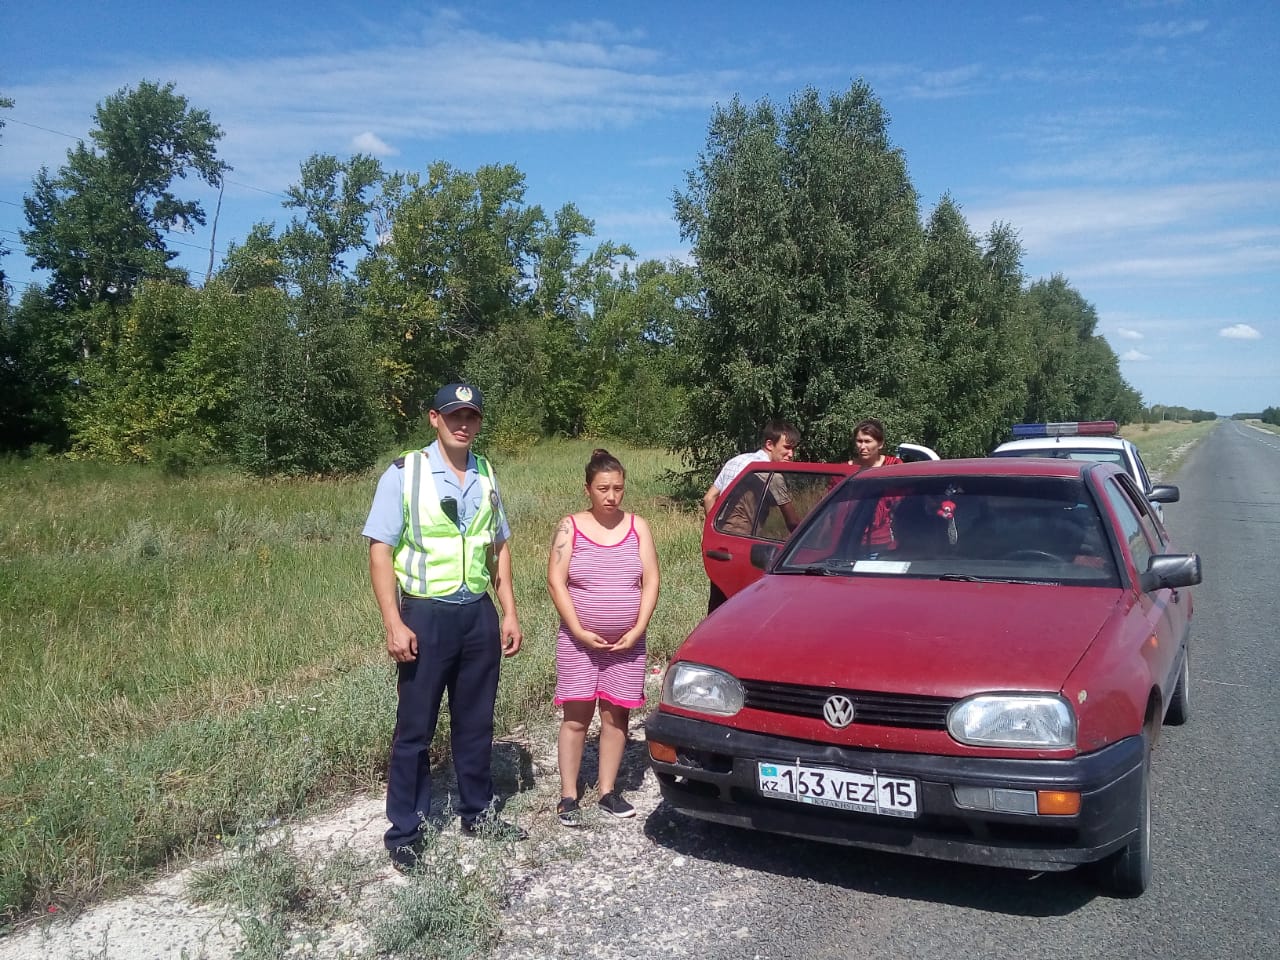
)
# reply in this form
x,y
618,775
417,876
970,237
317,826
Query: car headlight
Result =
x,y
1013,720
705,689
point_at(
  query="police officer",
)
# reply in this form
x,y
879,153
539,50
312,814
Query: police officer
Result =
x,y
437,541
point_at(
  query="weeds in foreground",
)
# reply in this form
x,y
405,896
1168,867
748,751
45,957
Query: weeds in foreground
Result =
x,y
447,908
279,898
450,909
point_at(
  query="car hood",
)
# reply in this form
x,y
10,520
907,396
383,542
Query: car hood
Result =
x,y
921,637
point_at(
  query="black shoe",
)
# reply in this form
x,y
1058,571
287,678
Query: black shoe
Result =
x,y
613,804
569,812
405,858
491,828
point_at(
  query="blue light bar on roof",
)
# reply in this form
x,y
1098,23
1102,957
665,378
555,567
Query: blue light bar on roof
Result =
x,y
1075,428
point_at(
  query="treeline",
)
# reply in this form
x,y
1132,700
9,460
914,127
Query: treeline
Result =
x,y
1269,415
1157,412
817,293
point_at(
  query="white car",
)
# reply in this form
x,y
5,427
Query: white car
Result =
x,y
1095,440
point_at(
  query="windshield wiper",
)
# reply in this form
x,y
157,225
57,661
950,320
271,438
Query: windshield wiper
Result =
x,y
828,568
967,578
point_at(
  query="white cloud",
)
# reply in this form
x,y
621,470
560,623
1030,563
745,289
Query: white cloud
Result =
x,y
1136,356
1240,331
443,81
1124,333
369,142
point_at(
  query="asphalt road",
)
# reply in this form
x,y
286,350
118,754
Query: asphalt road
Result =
x,y
1216,886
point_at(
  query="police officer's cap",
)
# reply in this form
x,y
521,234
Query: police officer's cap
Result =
x,y
458,396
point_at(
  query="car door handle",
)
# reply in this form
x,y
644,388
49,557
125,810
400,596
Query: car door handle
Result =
x,y
719,555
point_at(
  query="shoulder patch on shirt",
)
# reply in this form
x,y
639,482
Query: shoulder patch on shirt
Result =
x,y
398,463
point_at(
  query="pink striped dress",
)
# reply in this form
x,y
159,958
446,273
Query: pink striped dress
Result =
x,y
604,585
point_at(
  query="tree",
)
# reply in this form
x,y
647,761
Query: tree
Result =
x,y
975,344
633,371
98,224
446,290
173,376
37,383
806,232
335,211
309,384
1075,373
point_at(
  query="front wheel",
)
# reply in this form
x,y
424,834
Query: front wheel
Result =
x,y
1127,872
1180,702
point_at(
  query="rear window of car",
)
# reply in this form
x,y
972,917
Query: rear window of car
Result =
x,y
1062,453
1020,529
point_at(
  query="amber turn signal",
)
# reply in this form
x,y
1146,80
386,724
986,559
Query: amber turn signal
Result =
x,y
1060,803
661,752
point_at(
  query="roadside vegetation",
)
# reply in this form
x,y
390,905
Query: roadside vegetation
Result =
x,y
1165,443
187,660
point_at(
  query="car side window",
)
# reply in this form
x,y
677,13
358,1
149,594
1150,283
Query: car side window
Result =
x,y
1155,529
1143,479
1128,512
738,509
768,506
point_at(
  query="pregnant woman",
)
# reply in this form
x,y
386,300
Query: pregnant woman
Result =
x,y
603,579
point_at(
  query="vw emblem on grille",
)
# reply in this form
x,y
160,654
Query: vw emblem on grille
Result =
x,y
838,711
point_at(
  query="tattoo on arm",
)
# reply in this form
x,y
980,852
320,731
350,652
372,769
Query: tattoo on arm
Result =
x,y
560,539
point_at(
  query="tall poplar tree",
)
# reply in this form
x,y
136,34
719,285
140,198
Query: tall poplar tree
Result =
x,y
806,232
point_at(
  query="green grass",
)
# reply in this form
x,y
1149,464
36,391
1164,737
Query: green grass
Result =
x,y
1164,444
186,658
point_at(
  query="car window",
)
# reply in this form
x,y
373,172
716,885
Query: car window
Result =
x,y
1156,532
767,506
1031,529
1065,453
1128,507
1143,480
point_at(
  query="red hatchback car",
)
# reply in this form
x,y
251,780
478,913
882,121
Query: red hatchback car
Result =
x,y
964,659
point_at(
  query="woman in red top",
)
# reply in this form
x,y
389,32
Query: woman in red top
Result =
x,y
868,445
868,451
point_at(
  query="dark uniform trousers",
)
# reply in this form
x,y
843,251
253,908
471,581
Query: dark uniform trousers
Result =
x,y
459,652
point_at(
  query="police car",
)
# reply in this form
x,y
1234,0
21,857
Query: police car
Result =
x,y
1094,440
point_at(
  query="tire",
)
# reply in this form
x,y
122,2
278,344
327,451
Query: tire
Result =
x,y
1179,711
1127,872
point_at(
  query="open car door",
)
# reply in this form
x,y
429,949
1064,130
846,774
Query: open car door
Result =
x,y
763,505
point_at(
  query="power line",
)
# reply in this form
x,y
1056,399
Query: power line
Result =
x,y
72,136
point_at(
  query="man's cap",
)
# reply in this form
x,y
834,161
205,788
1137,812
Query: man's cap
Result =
x,y
458,396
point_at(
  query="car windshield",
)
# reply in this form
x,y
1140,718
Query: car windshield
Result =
x,y
989,528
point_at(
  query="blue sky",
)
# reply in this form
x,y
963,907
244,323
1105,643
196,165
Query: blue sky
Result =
x,y
1135,146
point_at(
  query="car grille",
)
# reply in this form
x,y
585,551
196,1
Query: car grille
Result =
x,y
883,709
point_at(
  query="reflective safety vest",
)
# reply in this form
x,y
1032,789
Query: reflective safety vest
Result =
x,y
433,558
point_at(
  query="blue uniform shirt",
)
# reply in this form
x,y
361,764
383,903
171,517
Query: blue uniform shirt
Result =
x,y
386,516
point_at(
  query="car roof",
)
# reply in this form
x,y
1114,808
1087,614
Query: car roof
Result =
x,y
1066,443
990,467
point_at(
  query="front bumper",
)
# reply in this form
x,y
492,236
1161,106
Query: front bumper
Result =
x,y
715,778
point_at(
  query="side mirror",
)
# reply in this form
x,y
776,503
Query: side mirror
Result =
x,y
1171,570
1164,493
762,555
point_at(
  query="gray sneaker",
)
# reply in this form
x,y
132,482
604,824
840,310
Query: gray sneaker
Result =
x,y
569,812
613,804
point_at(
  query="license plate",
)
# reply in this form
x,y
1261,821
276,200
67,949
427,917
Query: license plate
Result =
x,y
839,789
